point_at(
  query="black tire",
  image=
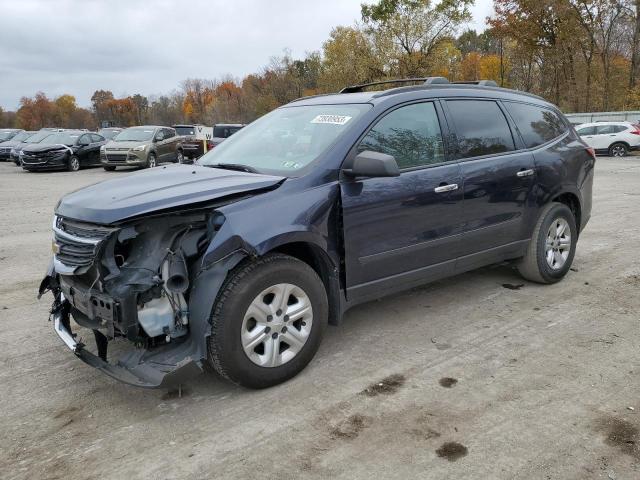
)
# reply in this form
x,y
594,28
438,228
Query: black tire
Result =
x,y
180,158
534,266
73,164
151,161
243,285
110,168
618,150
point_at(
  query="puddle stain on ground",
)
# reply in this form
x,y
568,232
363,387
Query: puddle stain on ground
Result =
x,y
351,427
452,451
620,434
386,386
448,382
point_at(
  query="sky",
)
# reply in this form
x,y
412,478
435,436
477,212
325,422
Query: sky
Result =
x,y
150,46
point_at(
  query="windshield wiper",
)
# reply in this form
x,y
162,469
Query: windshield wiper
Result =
x,y
233,166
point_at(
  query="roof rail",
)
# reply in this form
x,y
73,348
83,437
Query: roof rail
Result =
x,y
424,80
485,83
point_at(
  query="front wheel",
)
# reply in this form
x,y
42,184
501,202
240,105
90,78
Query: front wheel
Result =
x,y
268,321
74,164
151,160
179,157
618,150
552,246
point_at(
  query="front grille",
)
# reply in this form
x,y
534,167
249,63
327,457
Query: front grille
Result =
x,y
116,157
77,243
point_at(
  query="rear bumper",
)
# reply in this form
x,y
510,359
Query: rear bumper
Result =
x,y
164,368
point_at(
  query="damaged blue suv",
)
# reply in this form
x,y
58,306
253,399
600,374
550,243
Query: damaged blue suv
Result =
x,y
241,261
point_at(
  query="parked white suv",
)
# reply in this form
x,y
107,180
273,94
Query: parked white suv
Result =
x,y
615,139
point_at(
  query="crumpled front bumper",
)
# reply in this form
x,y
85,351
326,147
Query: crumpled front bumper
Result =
x,y
162,368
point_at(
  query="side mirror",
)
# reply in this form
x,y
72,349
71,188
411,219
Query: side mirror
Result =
x,y
373,164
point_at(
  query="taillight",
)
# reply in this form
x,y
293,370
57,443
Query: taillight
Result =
x,y
636,131
210,145
591,151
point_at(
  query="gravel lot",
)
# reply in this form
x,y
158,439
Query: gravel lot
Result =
x,y
463,378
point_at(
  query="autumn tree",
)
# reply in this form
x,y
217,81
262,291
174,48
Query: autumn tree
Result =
x,y
412,29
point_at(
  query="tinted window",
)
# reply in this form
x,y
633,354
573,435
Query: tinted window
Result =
x,y
96,138
168,132
84,139
619,128
481,127
537,125
411,134
586,131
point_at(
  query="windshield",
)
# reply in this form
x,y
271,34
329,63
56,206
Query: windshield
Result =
x,y
287,139
4,136
186,130
138,134
38,137
21,137
63,138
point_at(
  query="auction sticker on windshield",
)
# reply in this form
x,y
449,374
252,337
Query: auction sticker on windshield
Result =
x,y
332,119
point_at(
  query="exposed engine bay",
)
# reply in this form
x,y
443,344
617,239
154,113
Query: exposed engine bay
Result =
x,y
131,280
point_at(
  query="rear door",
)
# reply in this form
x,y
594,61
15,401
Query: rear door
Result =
x,y
96,142
403,230
498,179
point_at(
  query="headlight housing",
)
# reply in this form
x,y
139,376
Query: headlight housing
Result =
x,y
139,148
102,148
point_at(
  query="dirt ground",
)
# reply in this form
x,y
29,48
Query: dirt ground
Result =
x,y
473,377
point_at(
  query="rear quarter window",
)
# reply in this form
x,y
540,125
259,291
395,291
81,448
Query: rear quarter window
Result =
x,y
537,125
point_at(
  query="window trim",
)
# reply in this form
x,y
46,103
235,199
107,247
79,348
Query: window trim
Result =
x,y
444,131
517,141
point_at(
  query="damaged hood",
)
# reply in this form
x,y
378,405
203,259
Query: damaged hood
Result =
x,y
158,189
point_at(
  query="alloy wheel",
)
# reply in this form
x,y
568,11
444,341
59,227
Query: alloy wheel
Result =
x,y
618,151
276,325
558,244
152,161
74,164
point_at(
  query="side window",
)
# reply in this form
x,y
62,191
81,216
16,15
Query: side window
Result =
x,y
537,125
586,131
84,139
411,134
96,138
168,133
159,135
481,128
604,129
619,128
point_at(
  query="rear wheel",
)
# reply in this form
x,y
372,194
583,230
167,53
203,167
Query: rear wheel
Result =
x,y
74,164
618,150
109,168
552,246
268,321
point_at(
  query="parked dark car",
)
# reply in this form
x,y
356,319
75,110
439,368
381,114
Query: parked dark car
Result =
x,y
196,140
145,146
16,151
222,131
69,150
330,201
7,145
109,132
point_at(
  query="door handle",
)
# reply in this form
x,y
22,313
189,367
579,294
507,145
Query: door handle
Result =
x,y
525,173
446,188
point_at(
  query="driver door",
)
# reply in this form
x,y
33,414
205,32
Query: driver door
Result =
x,y
403,231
